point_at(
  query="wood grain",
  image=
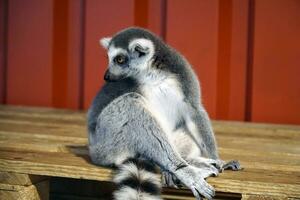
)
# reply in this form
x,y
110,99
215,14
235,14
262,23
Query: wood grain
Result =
x,y
50,142
19,179
39,191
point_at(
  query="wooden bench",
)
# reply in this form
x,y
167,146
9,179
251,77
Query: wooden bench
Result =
x,y
38,144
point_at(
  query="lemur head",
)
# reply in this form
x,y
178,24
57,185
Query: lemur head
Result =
x,y
131,53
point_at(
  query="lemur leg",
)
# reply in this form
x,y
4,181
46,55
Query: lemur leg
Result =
x,y
208,144
207,163
143,136
204,128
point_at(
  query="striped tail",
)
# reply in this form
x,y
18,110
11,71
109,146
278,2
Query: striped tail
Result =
x,y
137,180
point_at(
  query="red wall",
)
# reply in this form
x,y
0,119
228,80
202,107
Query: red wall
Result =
x,y
245,52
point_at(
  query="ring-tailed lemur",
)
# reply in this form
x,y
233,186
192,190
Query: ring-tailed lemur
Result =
x,y
149,114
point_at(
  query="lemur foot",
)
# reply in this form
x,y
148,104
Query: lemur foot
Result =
x,y
207,163
170,180
193,178
233,165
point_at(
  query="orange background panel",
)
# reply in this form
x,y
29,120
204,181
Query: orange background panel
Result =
x,y
29,52
100,21
74,97
276,62
238,59
245,52
197,40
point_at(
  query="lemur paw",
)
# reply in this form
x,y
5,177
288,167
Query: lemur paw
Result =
x,y
233,165
207,163
193,178
209,171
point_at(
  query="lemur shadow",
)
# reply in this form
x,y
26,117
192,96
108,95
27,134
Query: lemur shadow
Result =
x,y
80,151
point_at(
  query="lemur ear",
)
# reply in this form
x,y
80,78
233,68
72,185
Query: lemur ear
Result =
x,y
139,50
104,42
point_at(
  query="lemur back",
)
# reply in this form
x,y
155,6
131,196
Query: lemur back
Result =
x,y
149,113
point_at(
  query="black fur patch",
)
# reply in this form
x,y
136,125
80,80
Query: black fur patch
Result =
x,y
143,185
181,166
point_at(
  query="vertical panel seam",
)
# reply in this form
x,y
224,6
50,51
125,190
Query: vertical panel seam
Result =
x,y
223,59
82,47
164,15
60,53
5,51
249,64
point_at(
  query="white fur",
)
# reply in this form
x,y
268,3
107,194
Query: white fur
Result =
x,y
164,101
195,133
146,196
128,193
146,44
104,42
126,170
130,169
185,144
122,157
137,64
112,52
152,177
142,63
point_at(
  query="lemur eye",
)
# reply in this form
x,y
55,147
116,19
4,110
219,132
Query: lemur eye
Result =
x,y
120,59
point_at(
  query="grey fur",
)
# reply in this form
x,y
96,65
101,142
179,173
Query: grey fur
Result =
x,y
121,126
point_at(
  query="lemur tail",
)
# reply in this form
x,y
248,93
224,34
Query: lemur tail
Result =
x,y
136,180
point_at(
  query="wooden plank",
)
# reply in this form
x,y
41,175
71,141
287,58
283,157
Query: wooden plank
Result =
x,y
39,110
42,120
249,159
19,179
184,194
257,129
262,197
56,146
242,151
55,165
39,191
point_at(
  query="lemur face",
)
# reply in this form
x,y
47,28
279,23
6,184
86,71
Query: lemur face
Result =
x,y
130,61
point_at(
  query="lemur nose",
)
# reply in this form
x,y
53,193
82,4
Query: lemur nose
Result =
x,y
107,76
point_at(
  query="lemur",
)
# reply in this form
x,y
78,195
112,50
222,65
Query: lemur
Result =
x,y
149,115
